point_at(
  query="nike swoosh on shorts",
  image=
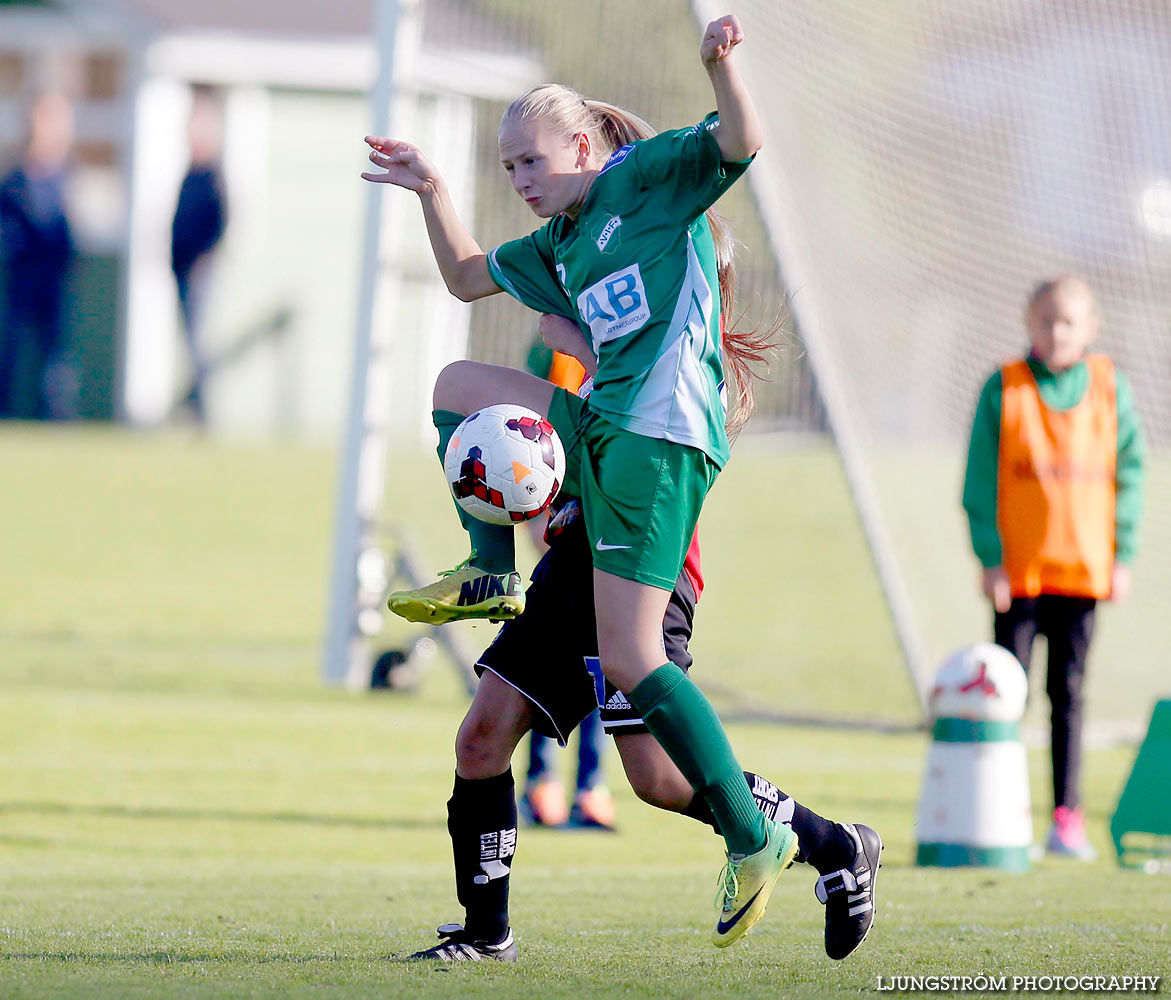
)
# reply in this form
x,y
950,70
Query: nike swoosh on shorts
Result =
x,y
603,547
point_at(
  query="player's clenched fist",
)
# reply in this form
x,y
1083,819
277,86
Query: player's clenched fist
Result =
x,y
721,36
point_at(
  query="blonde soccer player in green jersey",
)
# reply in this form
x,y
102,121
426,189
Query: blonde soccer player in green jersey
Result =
x,y
631,254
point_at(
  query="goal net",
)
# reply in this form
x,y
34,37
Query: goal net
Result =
x,y
928,162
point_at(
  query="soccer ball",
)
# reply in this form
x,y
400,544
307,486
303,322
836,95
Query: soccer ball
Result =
x,y
983,682
505,464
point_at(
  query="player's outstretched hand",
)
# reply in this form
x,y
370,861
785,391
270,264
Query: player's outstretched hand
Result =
x,y
720,38
402,164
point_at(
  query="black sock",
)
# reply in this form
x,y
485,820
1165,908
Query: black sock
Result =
x,y
823,843
481,818
698,809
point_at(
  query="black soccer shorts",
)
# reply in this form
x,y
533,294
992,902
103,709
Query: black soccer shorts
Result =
x,y
550,653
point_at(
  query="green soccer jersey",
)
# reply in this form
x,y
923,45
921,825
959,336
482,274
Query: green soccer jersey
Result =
x,y
637,270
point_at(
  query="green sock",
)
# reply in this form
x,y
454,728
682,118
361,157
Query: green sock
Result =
x,y
685,724
495,544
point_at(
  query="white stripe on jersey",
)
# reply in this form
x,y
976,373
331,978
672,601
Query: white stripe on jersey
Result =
x,y
675,400
500,277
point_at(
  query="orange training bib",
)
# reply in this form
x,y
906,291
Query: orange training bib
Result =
x,y
1055,485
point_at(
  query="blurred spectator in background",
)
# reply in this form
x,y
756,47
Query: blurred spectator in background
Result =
x,y
200,217
1053,494
543,801
36,256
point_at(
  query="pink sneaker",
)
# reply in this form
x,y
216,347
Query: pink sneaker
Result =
x,y
1068,835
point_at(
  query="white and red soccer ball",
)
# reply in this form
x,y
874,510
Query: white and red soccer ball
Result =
x,y
981,682
505,464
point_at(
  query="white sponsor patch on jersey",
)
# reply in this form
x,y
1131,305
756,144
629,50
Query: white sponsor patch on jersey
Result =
x,y
614,306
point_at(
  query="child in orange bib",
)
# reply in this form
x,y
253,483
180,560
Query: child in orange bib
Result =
x,y
1053,498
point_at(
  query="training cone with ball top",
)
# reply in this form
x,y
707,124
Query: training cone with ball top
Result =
x,y
975,804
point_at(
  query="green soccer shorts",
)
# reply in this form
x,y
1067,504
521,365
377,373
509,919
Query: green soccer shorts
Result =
x,y
641,496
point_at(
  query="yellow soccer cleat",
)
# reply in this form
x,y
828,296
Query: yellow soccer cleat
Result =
x,y
463,592
747,882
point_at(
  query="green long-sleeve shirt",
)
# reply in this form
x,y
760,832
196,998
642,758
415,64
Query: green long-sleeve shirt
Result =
x,y
1059,391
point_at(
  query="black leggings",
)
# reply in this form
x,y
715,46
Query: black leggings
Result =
x,y
1068,625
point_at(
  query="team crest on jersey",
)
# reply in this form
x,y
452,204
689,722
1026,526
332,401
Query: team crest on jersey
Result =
x,y
614,306
608,230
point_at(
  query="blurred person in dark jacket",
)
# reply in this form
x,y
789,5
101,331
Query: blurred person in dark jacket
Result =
x,y
200,218
36,256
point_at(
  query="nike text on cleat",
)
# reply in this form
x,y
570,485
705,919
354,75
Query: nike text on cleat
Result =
x,y
848,894
458,946
603,547
463,592
747,882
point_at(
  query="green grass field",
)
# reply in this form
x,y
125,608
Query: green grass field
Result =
x,y
185,811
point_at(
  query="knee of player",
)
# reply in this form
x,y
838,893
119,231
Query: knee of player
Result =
x,y
449,386
661,791
618,656
650,791
480,739
626,668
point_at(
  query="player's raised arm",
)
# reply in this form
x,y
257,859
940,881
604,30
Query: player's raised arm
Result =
x,y
461,261
740,133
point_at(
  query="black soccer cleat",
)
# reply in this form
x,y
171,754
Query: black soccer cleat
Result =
x,y
848,894
458,946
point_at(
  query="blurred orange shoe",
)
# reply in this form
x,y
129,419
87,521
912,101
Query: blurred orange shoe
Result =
x,y
593,808
544,803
